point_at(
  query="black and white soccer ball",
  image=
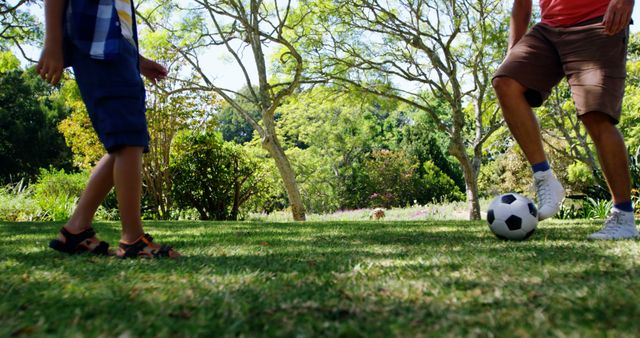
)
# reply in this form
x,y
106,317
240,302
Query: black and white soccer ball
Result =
x,y
512,217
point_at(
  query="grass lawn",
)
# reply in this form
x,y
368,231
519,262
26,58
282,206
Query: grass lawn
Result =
x,y
444,278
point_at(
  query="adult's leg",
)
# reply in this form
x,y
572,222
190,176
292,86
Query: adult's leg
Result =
x,y
615,165
520,119
127,174
612,153
525,129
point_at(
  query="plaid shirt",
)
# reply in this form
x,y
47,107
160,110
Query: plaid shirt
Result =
x,y
93,27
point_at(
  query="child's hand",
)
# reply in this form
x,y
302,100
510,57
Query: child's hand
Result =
x,y
51,64
152,70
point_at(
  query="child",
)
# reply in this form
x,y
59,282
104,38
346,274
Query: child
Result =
x,y
98,40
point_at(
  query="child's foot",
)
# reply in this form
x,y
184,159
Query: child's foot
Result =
x,y
144,247
619,225
550,193
84,241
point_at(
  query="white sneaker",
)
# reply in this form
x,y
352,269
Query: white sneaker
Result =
x,y
550,193
619,225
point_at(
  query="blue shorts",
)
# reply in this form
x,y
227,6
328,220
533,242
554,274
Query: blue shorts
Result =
x,y
114,95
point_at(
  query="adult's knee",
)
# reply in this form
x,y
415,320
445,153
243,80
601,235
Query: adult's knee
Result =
x,y
505,86
598,124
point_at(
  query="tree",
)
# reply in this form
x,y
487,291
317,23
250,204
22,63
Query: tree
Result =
x,y
18,26
232,125
423,53
77,129
29,113
244,25
329,134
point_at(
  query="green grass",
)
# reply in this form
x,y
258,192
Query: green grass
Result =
x,y
438,278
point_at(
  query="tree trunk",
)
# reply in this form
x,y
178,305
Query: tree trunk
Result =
x,y
271,144
470,179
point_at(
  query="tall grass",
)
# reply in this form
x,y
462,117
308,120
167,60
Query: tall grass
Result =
x,y
17,203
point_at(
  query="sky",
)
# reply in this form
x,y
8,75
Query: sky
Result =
x,y
227,74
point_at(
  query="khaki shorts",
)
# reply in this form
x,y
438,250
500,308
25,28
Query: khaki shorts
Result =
x,y
593,62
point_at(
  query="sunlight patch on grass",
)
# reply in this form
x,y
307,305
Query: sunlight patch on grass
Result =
x,y
441,278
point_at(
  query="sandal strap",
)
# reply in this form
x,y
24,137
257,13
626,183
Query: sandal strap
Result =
x,y
73,240
101,249
133,250
73,243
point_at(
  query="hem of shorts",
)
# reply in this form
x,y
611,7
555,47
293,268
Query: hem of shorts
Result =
x,y
120,140
543,95
615,119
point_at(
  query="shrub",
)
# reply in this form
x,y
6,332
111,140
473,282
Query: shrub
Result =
x,y
587,208
390,178
212,176
54,182
436,186
579,177
17,203
57,192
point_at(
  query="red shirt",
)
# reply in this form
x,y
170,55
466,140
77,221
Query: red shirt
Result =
x,y
563,13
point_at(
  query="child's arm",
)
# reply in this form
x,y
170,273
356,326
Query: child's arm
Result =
x,y
152,70
51,62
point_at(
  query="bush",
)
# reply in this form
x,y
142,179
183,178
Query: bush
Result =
x,y
436,186
212,176
509,171
579,177
391,179
54,182
17,204
57,192
587,208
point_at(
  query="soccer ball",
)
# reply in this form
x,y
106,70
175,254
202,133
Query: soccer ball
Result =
x,y
512,217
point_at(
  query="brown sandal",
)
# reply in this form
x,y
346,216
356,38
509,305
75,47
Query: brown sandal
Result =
x,y
145,248
79,243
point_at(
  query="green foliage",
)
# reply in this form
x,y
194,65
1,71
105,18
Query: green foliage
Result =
x,y
316,179
57,192
54,182
587,208
634,168
232,125
29,114
17,203
212,176
78,130
168,114
18,26
390,180
421,141
508,171
579,176
52,198
436,186
333,135
8,62
598,209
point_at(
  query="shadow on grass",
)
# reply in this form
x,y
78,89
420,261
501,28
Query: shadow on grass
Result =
x,y
351,279
333,246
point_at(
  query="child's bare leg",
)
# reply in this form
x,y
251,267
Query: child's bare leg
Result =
x,y
127,175
99,185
